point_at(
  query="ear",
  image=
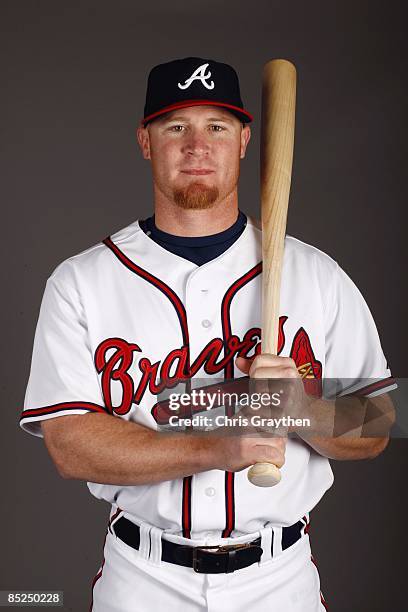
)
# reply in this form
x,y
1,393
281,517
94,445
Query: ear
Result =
x,y
245,136
143,138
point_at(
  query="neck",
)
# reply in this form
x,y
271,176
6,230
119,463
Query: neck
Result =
x,y
178,221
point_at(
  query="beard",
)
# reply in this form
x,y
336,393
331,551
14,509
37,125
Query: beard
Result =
x,y
196,196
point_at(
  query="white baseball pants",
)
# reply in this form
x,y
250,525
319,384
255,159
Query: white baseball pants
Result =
x,y
128,582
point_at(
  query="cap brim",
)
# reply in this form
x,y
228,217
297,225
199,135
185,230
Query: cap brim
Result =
x,y
240,113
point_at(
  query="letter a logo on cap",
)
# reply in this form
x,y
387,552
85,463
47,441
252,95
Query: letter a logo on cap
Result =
x,y
199,75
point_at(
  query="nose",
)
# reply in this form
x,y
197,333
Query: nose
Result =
x,y
196,144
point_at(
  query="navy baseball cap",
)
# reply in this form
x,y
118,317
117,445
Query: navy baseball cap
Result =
x,y
193,81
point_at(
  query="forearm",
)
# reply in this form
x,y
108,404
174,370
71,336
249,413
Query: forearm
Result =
x,y
348,448
348,428
105,449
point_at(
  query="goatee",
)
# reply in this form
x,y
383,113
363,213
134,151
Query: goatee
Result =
x,y
196,196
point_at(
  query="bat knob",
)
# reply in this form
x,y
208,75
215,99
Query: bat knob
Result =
x,y
264,474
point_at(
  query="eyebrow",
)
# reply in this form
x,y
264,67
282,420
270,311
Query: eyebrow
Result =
x,y
226,119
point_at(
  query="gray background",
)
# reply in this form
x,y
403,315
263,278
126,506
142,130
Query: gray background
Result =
x,y
73,76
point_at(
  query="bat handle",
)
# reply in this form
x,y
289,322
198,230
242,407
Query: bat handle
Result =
x,y
264,474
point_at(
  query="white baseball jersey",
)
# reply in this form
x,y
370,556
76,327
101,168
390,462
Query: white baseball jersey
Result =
x,y
121,316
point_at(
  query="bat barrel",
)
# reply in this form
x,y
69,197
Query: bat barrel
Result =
x,y
277,141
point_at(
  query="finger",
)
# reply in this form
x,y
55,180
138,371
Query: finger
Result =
x,y
269,359
244,364
269,454
273,372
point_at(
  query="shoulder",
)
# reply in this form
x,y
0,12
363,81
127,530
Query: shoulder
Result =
x,y
299,252
93,260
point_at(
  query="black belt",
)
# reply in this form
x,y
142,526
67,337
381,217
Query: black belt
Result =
x,y
208,559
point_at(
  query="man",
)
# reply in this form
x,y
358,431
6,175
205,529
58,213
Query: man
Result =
x,y
177,297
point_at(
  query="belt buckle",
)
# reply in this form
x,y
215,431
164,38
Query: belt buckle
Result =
x,y
197,560
226,548
216,550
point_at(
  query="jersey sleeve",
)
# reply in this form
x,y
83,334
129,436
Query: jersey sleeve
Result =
x,y
354,354
63,379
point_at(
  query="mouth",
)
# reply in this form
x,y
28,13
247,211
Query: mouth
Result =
x,y
197,171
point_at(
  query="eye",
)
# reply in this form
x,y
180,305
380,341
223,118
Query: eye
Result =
x,y
217,128
176,128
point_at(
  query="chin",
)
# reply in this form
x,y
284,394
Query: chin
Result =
x,y
196,196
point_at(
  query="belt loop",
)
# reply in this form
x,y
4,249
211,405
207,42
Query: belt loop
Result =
x,y
144,546
155,546
277,541
115,514
267,537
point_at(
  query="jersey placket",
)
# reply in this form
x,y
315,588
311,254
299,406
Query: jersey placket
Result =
x,y
208,309
202,298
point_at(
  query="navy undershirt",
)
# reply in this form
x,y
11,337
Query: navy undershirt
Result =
x,y
198,249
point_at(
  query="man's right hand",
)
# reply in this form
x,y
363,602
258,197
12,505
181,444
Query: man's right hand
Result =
x,y
101,448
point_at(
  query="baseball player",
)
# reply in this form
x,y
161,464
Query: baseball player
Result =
x,y
177,297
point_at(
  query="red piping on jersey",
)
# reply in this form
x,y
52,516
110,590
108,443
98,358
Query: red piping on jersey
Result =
x,y
225,309
156,282
306,528
186,507
182,316
322,599
63,406
229,374
229,504
380,384
98,575
113,517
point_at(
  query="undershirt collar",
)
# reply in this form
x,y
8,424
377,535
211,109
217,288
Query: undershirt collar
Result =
x,y
198,249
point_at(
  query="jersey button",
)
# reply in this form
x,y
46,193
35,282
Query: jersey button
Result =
x,y
210,491
206,323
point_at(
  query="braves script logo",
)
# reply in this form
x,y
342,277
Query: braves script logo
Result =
x,y
198,75
114,357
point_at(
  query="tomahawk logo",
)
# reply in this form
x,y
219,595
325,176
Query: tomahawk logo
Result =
x,y
199,75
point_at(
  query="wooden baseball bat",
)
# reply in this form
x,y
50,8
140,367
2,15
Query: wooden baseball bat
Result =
x,y
277,139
